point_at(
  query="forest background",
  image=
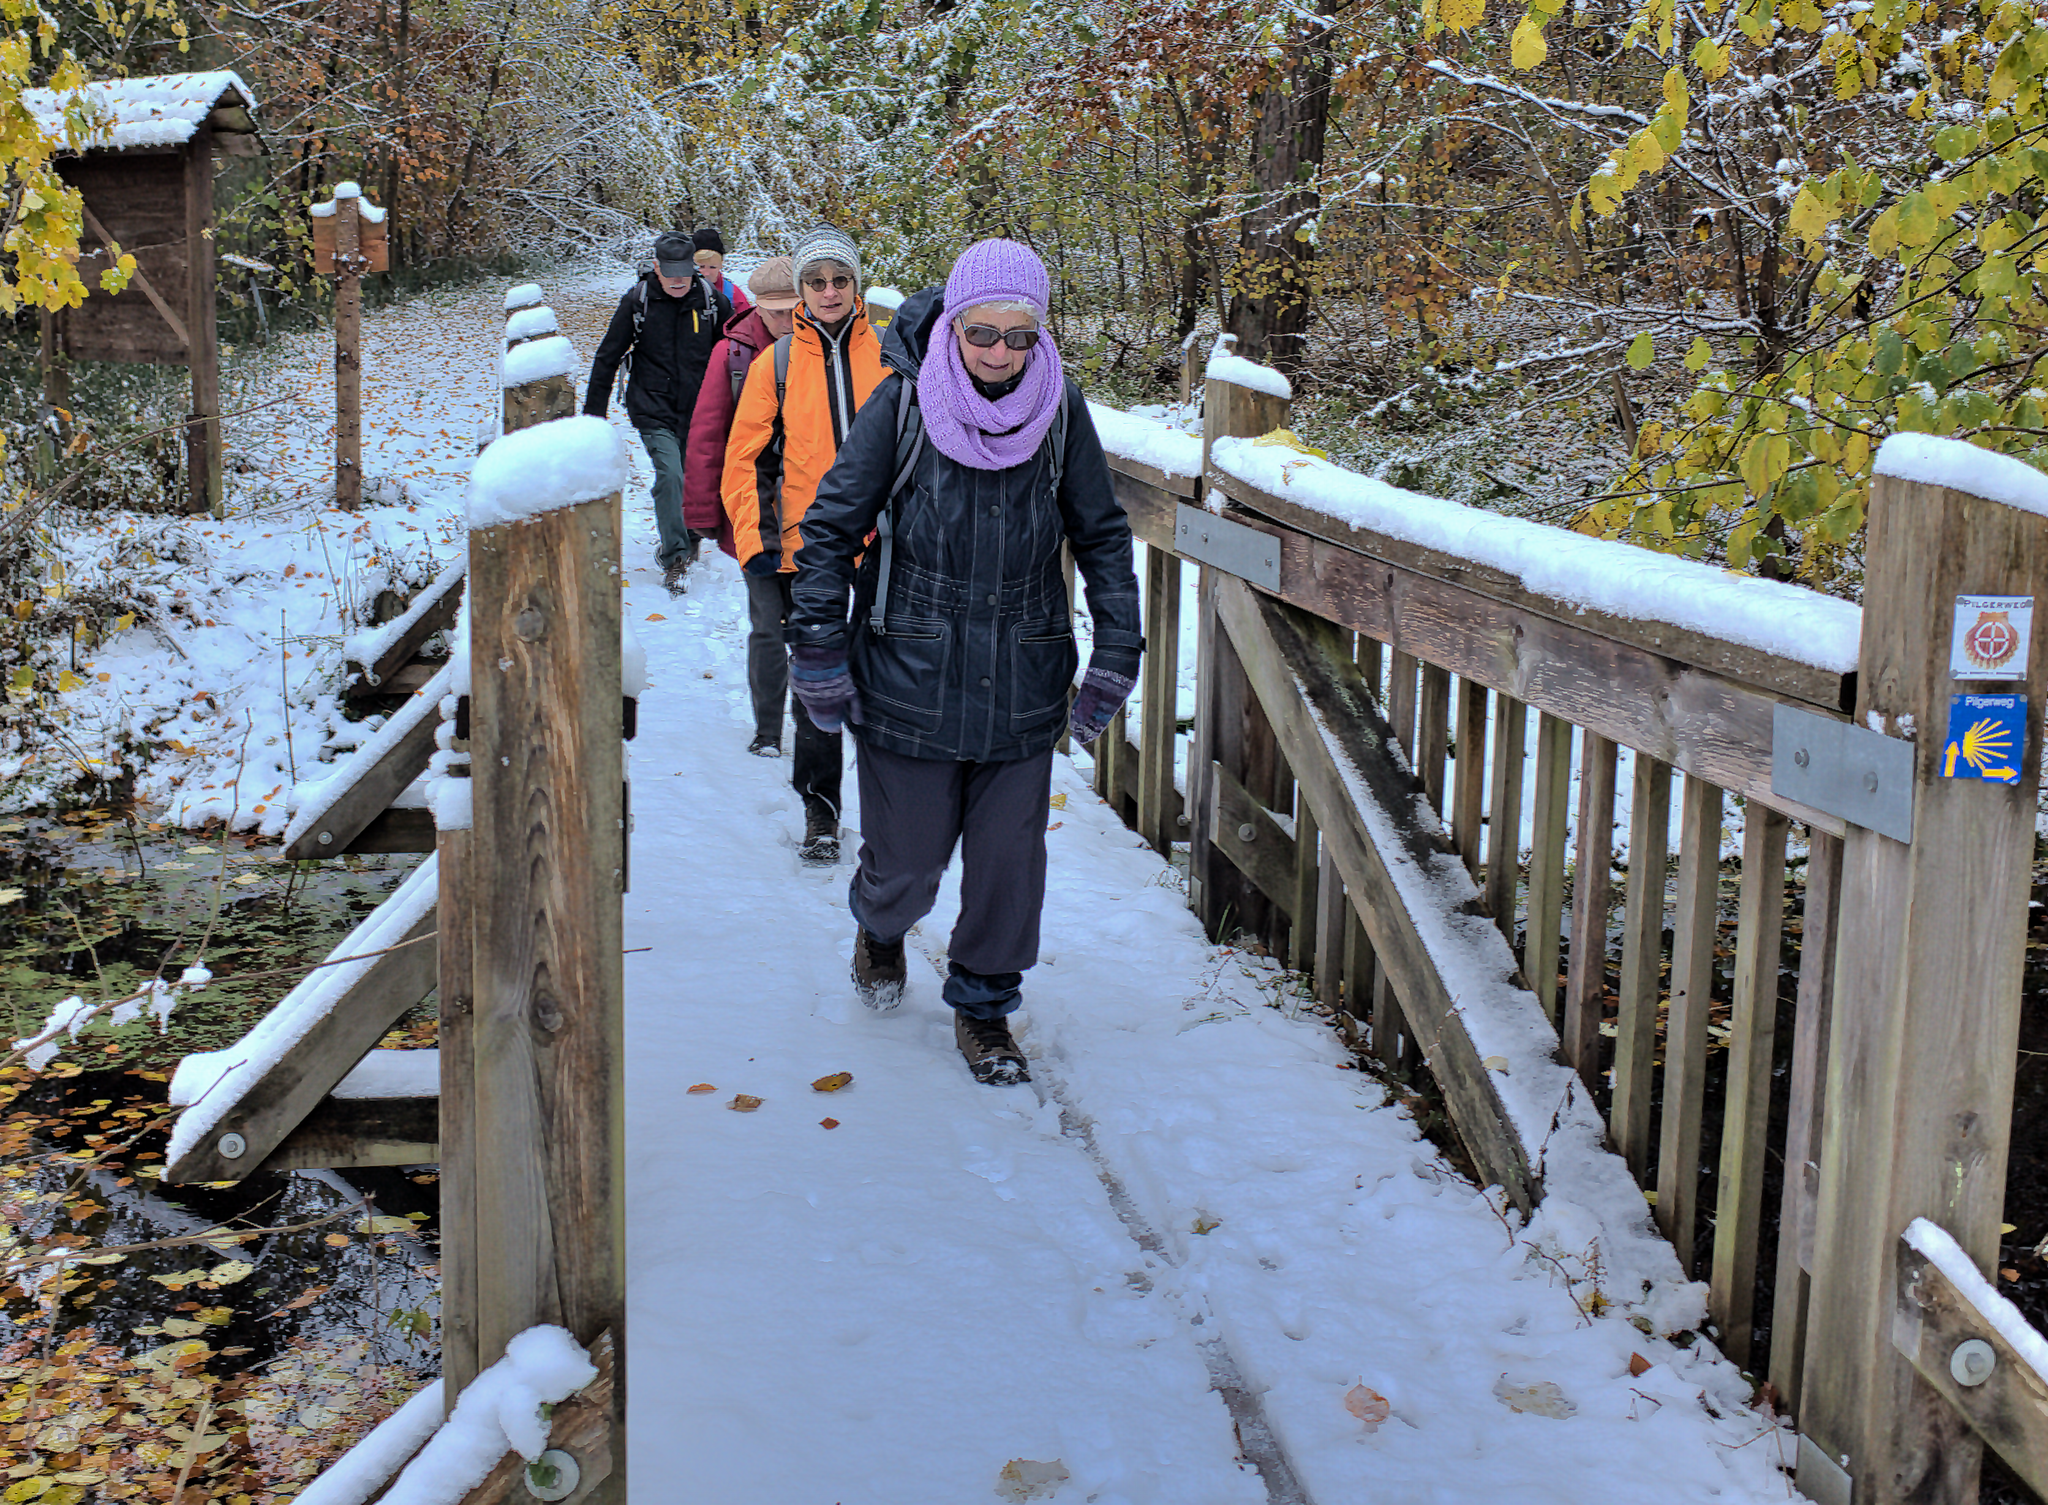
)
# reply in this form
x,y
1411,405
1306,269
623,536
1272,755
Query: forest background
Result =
x,y
1667,271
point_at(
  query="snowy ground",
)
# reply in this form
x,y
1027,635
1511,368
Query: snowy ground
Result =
x,y
1197,1199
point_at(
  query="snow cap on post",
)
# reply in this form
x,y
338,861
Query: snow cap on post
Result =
x,y
1226,365
1960,466
537,360
526,295
531,323
551,465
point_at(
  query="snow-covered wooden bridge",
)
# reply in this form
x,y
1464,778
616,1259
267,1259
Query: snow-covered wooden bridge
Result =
x,y
1206,1258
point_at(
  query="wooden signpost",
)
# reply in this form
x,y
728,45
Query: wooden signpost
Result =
x,y
350,238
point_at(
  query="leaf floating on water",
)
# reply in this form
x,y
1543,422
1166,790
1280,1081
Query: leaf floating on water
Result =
x,y
828,1123
1031,1479
743,1102
1540,1399
833,1082
703,1087
1369,1406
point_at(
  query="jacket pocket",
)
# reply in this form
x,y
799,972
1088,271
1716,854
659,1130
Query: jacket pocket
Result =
x,y
1042,663
902,673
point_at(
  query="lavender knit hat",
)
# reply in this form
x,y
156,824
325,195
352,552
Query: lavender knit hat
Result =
x,y
998,271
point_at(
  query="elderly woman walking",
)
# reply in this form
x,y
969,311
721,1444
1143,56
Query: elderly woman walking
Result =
x,y
970,465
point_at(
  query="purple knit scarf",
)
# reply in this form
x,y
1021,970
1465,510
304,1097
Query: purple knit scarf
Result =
x,y
969,428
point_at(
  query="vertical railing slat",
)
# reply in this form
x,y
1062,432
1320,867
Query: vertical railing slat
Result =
x,y
1642,952
1694,931
1504,812
1585,987
1819,935
1745,1125
1547,858
1161,681
1433,734
1468,790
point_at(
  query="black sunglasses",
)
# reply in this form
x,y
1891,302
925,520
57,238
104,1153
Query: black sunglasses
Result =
x,y
981,336
837,284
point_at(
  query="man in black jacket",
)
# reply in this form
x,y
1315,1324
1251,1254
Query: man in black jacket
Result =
x,y
665,325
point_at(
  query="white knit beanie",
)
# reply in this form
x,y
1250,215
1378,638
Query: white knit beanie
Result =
x,y
825,243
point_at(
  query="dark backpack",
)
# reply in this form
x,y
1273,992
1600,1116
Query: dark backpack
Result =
x,y
909,446
711,297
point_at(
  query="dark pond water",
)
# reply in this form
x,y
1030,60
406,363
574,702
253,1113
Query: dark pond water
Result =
x,y
95,904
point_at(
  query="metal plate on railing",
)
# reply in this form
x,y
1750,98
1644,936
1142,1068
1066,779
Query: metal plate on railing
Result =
x,y
1863,776
1245,552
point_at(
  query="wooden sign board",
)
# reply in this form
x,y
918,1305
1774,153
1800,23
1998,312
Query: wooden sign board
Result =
x,y
375,240
140,200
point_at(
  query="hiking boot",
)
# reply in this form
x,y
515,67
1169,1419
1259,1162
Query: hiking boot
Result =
x,y
878,971
765,745
991,1054
672,575
821,834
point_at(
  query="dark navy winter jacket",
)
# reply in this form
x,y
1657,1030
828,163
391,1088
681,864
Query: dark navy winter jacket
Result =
x,y
978,655
669,351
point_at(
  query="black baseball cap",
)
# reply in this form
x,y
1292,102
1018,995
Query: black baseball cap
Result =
x,y
674,256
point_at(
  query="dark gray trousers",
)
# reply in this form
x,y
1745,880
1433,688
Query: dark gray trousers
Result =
x,y
913,812
819,756
665,448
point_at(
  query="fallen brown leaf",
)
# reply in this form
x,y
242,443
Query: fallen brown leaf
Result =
x,y
833,1082
828,1123
703,1087
1637,1364
1369,1406
743,1102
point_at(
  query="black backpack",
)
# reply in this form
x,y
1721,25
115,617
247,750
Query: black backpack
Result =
x,y
909,446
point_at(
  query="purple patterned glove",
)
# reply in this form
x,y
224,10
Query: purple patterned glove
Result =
x,y
1103,692
821,681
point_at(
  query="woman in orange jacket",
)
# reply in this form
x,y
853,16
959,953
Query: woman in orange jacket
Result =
x,y
793,414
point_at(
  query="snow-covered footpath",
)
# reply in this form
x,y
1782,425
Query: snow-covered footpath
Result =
x,y
891,1293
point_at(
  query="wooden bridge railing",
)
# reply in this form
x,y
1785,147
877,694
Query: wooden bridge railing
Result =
x,y
1340,636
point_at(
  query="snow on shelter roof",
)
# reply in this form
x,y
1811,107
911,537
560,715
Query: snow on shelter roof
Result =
x,y
167,110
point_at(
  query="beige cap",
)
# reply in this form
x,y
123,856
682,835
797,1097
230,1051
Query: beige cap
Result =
x,y
772,284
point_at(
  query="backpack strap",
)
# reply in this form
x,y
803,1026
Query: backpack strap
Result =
x,y
909,445
782,344
639,323
737,358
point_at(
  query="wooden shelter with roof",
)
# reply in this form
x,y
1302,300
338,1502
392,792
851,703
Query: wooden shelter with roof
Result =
x,y
144,165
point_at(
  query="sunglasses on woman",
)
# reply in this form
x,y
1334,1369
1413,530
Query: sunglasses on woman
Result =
x,y
837,284
981,336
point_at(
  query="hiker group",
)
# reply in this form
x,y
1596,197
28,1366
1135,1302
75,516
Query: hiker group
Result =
x,y
899,506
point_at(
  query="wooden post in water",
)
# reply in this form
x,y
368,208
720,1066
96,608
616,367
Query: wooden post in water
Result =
x,y
349,262
547,858
1927,983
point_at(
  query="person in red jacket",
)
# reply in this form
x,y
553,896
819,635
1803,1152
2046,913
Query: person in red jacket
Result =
x,y
771,315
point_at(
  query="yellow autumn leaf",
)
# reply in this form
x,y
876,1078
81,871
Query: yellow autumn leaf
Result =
x,y
1810,217
1461,15
1710,58
834,1082
1527,47
68,681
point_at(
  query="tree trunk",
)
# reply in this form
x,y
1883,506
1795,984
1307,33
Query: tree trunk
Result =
x,y
1271,304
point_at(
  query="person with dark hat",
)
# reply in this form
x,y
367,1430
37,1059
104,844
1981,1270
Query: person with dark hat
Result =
x,y
710,258
666,326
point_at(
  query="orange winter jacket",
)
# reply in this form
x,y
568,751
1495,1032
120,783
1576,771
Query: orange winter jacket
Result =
x,y
765,491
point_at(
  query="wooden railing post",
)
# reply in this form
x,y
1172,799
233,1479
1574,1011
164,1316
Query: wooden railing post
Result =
x,y
547,864
1927,985
1227,717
